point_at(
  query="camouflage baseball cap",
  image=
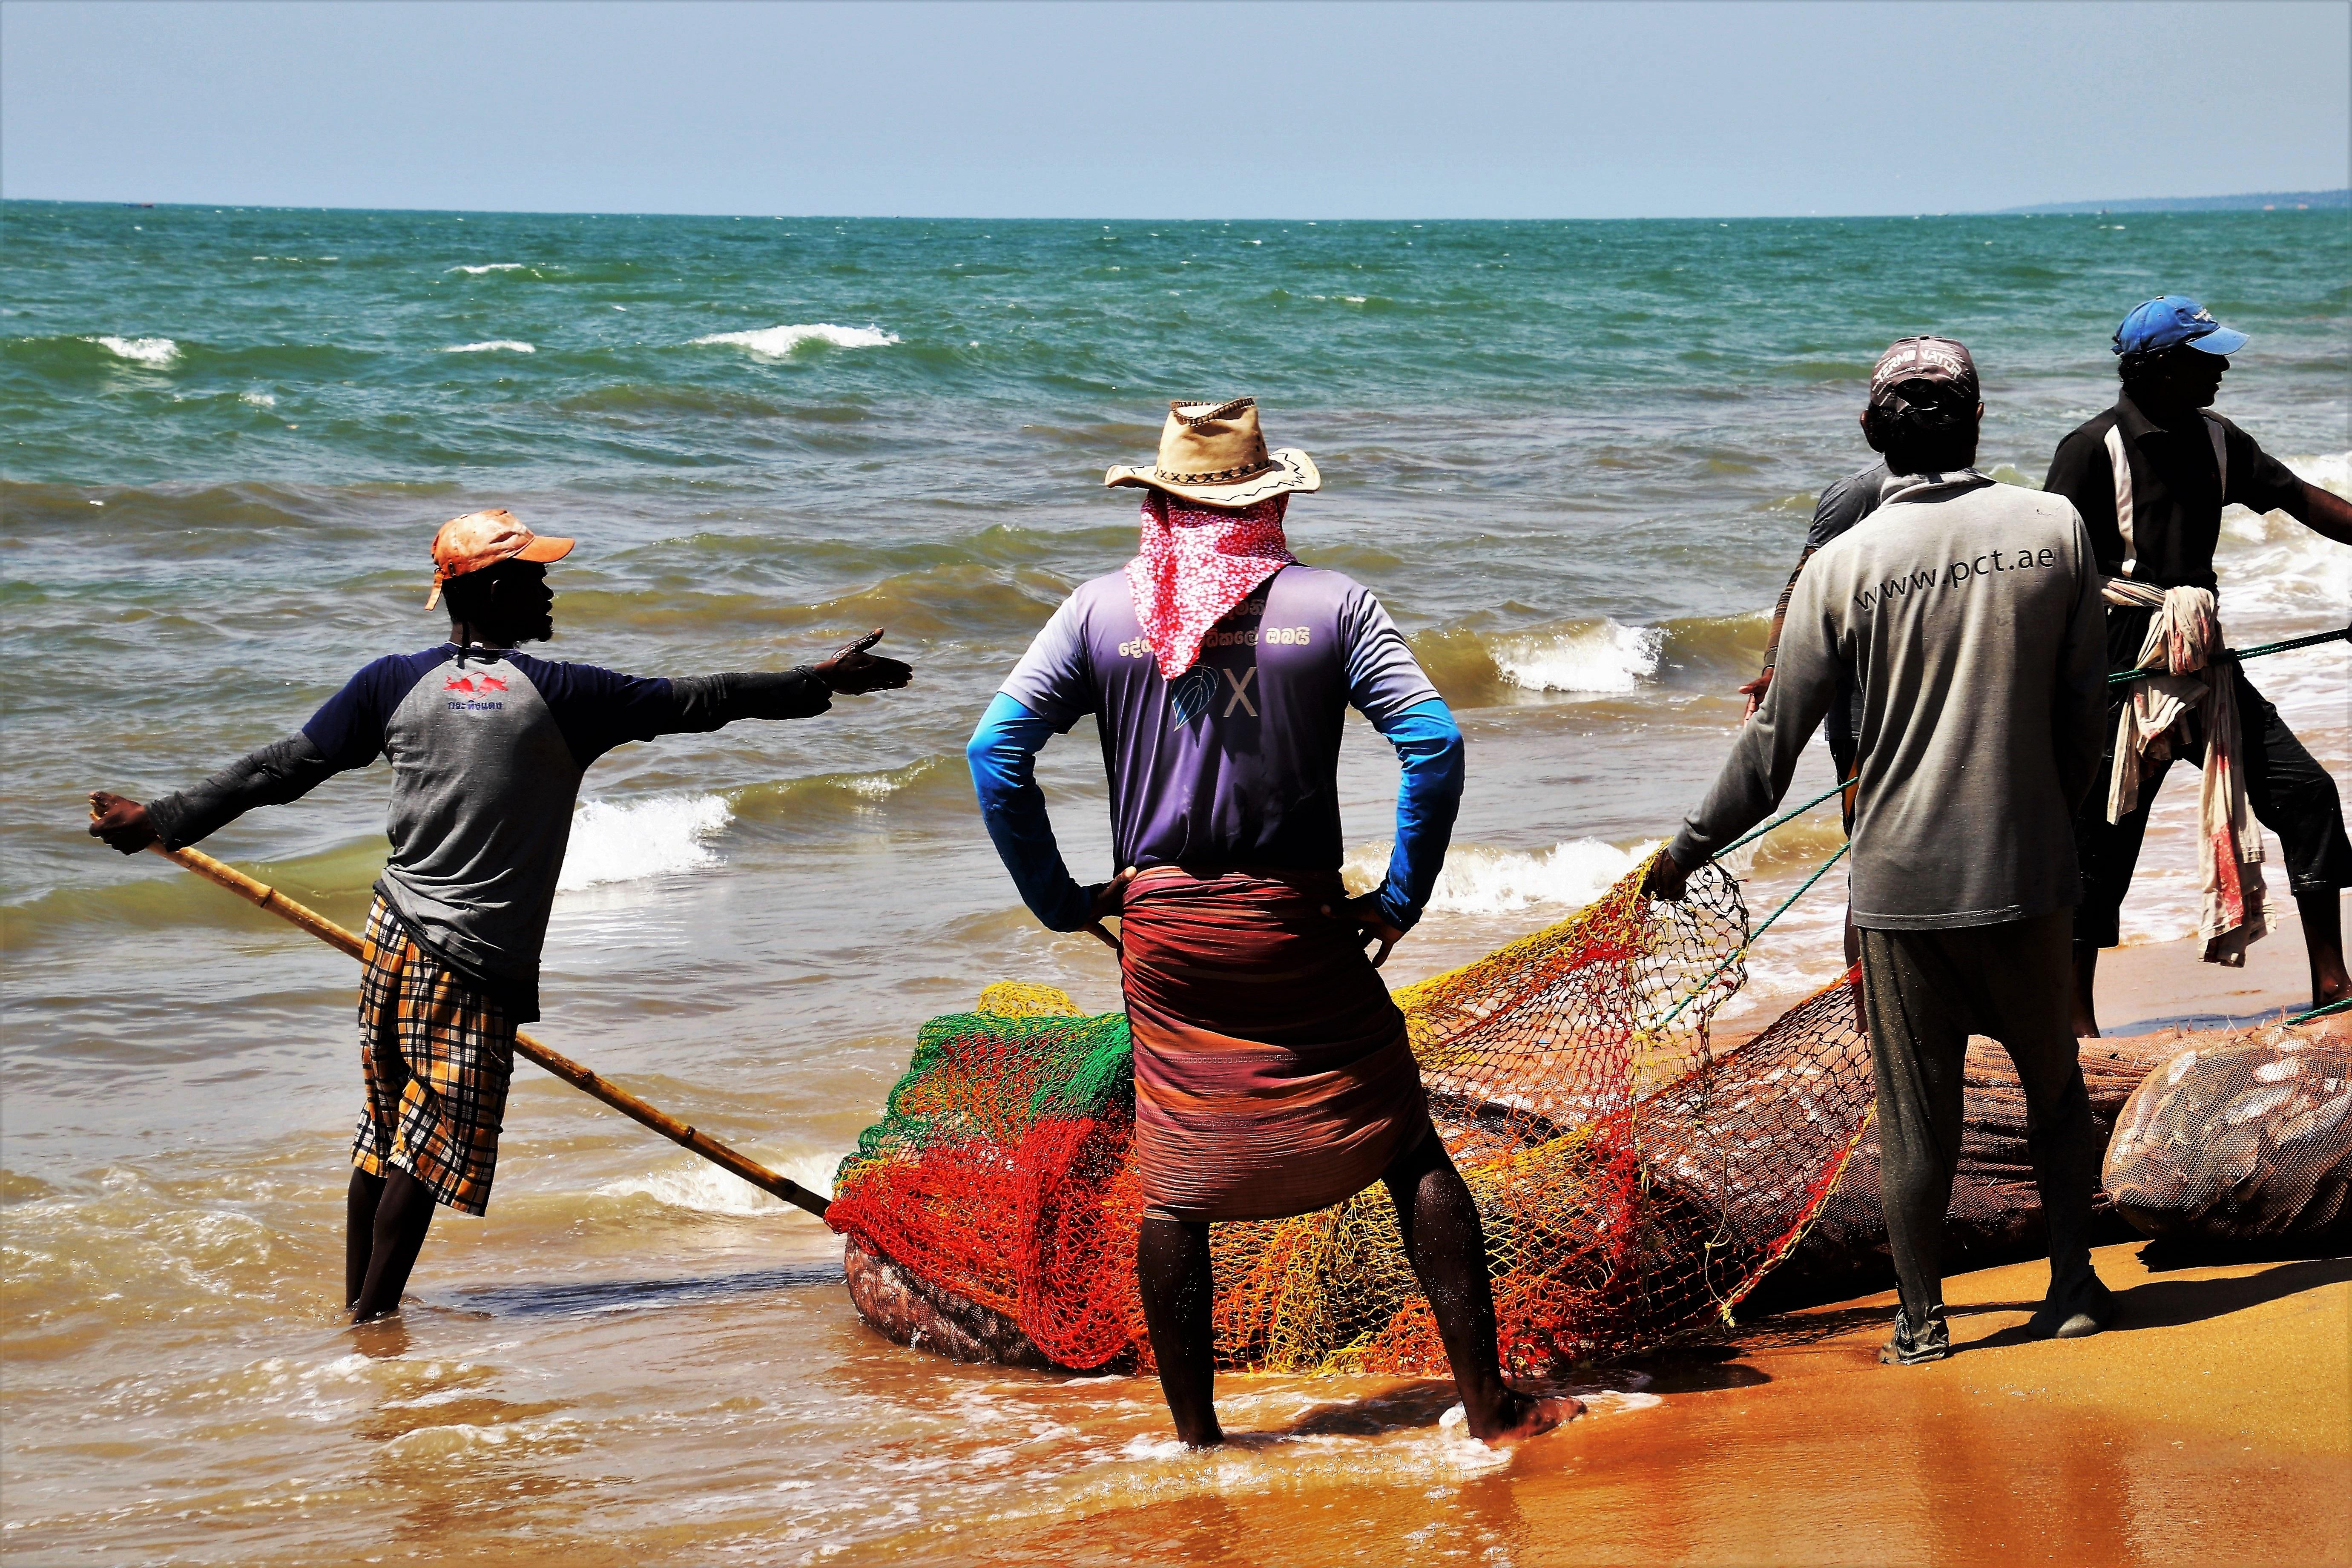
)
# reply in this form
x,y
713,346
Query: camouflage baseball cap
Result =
x,y
1943,361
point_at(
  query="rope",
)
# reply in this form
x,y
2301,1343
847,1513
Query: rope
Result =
x,y
2125,676
2321,1012
1741,950
1788,816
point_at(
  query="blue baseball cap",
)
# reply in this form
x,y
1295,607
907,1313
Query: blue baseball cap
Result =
x,y
2170,319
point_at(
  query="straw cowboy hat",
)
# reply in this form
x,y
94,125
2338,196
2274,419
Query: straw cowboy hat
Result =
x,y
1213,453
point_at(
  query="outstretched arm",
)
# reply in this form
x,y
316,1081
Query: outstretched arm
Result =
x,y
1003,757
273,775
1756,774
2324,512
346,732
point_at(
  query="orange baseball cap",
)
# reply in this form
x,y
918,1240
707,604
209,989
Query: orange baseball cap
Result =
x,y
482,539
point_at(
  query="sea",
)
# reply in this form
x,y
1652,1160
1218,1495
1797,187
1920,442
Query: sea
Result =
x,y
1576,460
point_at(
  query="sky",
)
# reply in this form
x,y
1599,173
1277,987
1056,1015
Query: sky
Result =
x,y
1337,109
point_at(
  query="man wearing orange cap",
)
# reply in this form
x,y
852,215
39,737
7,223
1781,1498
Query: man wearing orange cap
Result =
x,y
488,746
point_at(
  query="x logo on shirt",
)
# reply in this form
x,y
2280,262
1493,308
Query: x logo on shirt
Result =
x,y
1240,698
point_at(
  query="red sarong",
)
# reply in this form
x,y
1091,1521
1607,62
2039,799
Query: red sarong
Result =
x,y
1272,1073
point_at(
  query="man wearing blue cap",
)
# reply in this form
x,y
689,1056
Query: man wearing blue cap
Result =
x,y
2150,477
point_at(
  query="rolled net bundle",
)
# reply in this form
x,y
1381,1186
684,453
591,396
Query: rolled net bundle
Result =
x,y
1635,1184
2249,1140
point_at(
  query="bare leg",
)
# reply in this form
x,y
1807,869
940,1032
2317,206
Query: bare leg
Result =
x,y
2086,970
2323,939
1439,1224
402,1216
359,1231
1171,1266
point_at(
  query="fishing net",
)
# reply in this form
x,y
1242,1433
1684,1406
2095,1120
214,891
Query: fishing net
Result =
x,y
2247,1140
1635,1182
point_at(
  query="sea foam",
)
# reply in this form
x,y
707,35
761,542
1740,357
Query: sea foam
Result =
x,y
701,1187
620,841
1605,657
782,343
157,352
495,345
491,267
1478,880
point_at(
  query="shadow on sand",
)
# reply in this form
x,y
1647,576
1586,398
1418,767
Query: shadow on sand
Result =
x,y
2171,1303
591,1297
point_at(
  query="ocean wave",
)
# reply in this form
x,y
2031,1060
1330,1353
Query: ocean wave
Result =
x,y
1588,658
1480,880
491,267
702,1187
622,841
1606,658
831,796
495,345
783,342
157,352
258,399
2276,573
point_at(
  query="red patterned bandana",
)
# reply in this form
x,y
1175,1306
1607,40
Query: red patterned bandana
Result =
x,y
1197,563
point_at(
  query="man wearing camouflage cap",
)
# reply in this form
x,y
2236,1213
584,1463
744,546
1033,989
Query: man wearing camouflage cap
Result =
x,y
1967,615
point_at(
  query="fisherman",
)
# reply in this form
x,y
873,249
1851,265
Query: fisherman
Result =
x,y
2149,477
1844,503
488,746
1272,1072
1968,616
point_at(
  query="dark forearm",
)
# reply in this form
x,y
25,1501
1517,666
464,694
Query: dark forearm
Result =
x,y
2324,512
708,701
277,773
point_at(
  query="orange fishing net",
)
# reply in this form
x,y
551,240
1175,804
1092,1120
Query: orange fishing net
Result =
x,y
1634,1183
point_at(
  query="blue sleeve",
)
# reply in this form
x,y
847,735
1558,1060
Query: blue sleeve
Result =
x,y
1429,749
1003,757
349,728
1052,682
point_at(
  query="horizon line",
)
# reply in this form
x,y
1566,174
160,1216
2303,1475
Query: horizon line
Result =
x,y
2038,210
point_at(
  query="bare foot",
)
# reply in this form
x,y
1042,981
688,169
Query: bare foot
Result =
x,y
1529,1415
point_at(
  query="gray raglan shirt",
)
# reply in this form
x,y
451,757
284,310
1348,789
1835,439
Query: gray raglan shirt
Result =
x,y
1968,615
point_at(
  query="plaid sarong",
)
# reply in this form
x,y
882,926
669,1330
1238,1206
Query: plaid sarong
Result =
x,y
436,1054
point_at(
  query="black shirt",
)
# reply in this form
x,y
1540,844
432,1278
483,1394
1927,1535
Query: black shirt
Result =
x,y
2176,496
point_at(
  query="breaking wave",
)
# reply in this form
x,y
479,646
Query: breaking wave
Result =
x,y
495,345
622,841
783,342
157,352
1603,657
491,267
1478,880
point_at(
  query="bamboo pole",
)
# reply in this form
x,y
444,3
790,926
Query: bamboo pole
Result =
x,y
580,1077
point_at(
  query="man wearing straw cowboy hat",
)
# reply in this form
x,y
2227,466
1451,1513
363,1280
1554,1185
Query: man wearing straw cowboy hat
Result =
x,y
1272,1072
488,746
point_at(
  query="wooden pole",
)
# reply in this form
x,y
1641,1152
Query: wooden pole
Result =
x,y
562,1066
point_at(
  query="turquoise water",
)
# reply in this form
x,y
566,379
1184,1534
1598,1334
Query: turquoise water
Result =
x,y
1576,460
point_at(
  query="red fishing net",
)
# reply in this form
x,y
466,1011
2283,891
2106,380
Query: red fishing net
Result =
x,y
1635,1182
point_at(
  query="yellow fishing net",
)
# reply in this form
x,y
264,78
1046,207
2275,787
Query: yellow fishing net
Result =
x,y
1635,1182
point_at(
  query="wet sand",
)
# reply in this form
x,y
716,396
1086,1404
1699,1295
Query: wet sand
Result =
x,y
2212,1424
